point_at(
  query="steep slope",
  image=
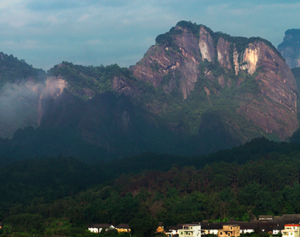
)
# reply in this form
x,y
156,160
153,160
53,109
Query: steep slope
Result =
x,y
296,73
244,77
195,91
290,48
19,89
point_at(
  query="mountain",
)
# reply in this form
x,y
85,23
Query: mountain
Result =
x,y
247,74
195,91
290,48
19,90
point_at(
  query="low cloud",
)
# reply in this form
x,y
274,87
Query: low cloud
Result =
x,y
19,107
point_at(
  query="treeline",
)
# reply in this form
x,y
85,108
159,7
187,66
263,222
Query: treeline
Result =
x,y
261,177
12,70
94,79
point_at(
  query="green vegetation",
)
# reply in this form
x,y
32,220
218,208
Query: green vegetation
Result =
x,y
14,70
192,27
59,196
294,40
167,38
96,80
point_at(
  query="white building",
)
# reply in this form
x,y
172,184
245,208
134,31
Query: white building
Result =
x,y
291,230
190,230
97,228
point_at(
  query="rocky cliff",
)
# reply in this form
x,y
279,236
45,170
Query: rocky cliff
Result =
x,y
290,48
193,54
19,90
195,91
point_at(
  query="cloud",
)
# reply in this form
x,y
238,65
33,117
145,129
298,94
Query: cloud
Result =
x,y
92,31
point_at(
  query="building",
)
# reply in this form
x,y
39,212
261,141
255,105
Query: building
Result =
x,y
123,228
265,218
189,230
229,230
173,230
291,230
160,228
97,228
211,228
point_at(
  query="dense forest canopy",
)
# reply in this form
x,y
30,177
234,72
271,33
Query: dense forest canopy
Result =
x,y
13,70
261,177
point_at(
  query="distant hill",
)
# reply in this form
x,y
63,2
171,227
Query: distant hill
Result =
x,y
290,48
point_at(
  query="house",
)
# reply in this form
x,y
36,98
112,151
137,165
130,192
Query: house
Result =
x,y
265,218
229,230
247,227
173,230
97,228
189,230
123,228
290,218
291,230
160,228
210,228
277,229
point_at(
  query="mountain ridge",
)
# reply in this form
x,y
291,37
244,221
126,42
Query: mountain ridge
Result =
x,y
195,91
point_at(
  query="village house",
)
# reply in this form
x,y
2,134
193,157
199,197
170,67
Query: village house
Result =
x,y
173,230
229,230
271,227
189,230
265,218
123,228
97,228
291,230
160,228
210,228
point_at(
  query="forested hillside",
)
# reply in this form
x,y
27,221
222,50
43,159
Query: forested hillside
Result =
x,y
14,70
261,177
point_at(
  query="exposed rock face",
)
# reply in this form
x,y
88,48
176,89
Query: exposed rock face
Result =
x,y
123,86
236,61
223,50
161,61
207,91
206,45
277,84
53,88
250,58
274,106
290,48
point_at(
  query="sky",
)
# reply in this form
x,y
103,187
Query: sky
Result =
x,y
95,32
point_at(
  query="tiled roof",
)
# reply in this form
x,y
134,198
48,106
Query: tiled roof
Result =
x,y
99,225
123,226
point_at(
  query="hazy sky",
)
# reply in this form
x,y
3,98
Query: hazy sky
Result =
x,y
94,32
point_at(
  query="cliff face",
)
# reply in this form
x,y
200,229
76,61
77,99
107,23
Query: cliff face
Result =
x,y
195,91
193,56
290,48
